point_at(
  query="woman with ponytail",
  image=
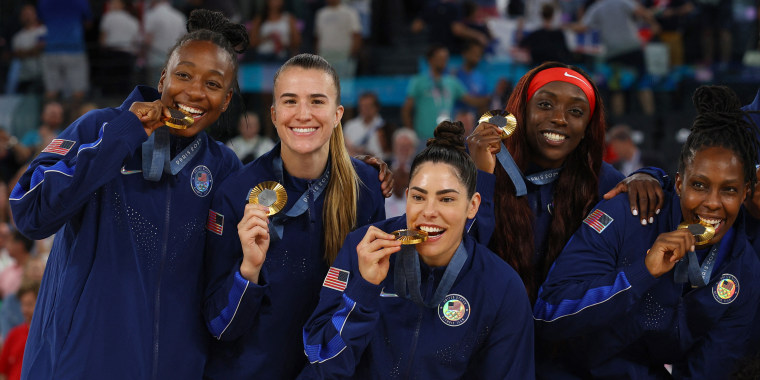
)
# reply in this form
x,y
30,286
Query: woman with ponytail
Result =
x,y
128,199
445,308
264,271
623,299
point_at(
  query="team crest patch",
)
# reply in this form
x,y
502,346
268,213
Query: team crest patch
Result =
x,y
201,180
726,289
598,220
336,279
454,310
59,146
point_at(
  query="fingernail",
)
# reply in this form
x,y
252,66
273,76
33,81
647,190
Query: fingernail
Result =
x,y
635,212
651,219
657,212
643,222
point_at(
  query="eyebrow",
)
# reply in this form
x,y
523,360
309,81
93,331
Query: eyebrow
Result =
x,y
439,192
188,63
291,95
552,94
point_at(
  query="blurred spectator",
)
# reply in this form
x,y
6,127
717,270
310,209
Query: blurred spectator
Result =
x,y
64,60
163,26
250,144
473,28
52,121
27,45
12,155
670,14
548,42
12,353
616,22
716,17
20,250
431,95
274,33
338,34
119,43
405,144
628,156
12,308
445,24
475,83
5,238
364,134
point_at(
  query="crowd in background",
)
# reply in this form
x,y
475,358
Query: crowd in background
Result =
x,y
62,58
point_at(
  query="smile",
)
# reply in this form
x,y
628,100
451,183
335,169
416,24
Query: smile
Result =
x,y
715,223
554,137
195,113
304,130
432,231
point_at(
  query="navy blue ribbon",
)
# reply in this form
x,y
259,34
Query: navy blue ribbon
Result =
x,y
544,177
510,166
408,280
689,270
315,189
155,155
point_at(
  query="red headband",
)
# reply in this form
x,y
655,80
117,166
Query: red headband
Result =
x,y
562,74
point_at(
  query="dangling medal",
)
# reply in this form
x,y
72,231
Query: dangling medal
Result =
x,y
702,233
502,119
409,236
178,120
270,194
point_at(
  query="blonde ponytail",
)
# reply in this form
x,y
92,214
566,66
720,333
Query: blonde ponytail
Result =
x,y
339,210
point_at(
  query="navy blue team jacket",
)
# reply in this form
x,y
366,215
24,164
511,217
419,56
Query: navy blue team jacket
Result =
x,y
365,331
122,292
258,326
609,318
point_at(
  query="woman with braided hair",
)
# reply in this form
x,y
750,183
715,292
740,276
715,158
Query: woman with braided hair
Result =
x,y
623,299
128,200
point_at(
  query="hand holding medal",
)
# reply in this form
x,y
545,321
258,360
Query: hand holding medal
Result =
x,y
410,236
702,233
270,194
504,120
178,119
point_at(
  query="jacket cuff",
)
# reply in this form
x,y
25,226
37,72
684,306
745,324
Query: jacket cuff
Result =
x,y
363,292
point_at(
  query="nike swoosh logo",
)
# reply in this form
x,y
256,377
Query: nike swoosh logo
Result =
x,y
384,294
128,172
574,77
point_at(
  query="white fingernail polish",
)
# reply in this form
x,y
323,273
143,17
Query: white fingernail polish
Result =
x,y
657,212
651,219
635,212
643,222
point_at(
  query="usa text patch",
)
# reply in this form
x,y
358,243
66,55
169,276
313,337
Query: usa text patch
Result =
x,y
59,146
336,279
215,222
598,220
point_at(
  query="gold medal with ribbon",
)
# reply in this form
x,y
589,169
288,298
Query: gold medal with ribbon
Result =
x,y
178,120
270,194
502,119
702,233
410,236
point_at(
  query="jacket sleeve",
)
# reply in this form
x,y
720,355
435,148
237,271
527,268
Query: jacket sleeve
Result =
x,y
511,337
339,330
231,302
83,158
481,228
665,181
588,285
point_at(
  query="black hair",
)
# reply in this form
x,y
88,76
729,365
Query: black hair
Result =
x,y
433,48
310,61
720,122
19,237
448,147
205,25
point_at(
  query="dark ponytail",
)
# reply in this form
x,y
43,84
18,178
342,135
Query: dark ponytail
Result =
x,y
448,147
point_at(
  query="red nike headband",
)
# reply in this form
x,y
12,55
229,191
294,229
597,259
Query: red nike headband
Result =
x,y
561,74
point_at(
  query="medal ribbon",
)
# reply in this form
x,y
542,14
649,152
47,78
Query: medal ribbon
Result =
x,y
407,279
155,155
302,204
510,166
688,269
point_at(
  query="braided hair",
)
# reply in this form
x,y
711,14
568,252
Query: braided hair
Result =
x,y
447,146
720,122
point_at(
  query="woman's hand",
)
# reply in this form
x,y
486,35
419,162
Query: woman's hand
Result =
x,y
151,114
667,250
374,253
484,143
385,176
254,238
644,194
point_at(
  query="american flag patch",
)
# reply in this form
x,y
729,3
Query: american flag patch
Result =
x,y
59,146
215,222
336,279
598,220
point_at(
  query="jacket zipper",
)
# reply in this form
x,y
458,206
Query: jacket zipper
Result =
x,y
157,303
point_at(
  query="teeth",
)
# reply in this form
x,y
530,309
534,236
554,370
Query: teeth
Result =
x,y
429,229
554,136
189,109
713,222
304,130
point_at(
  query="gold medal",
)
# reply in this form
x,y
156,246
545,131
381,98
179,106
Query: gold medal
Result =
x,y
409,236
178,120
270,194
701,232
502,119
